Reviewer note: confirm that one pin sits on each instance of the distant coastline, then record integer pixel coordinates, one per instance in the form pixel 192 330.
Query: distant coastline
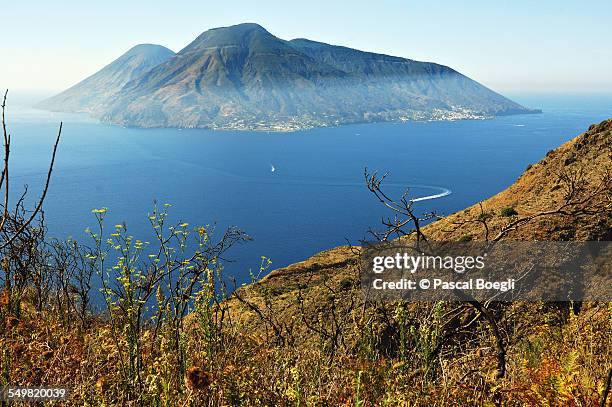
pixel 294 126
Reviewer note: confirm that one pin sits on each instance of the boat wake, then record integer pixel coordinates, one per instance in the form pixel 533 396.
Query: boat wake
pixel 440 192
pixel 443 192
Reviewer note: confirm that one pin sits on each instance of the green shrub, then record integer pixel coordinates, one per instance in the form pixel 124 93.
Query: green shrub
pixel 346 284
pixel 508 211
pixel 484 216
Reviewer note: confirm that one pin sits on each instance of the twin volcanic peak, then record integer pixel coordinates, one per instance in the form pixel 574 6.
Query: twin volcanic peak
pixel 244 78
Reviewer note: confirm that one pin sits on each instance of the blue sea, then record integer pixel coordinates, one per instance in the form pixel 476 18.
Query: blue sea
pixel 314 199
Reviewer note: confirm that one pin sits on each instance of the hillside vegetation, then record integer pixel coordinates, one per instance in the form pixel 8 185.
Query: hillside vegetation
pixel 303 334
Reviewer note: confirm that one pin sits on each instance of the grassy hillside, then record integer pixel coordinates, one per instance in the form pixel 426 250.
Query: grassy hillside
pixel 565 196
pixel 536 207
pixel 303 335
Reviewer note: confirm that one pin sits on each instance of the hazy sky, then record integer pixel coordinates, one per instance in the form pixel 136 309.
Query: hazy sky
pixel 519 45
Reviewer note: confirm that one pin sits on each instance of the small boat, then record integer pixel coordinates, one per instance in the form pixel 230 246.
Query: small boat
pixel 272 168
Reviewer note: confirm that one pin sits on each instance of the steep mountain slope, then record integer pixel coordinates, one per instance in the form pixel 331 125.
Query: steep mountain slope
pixel 541 197
pixel 565 196
pixel 385 73
pixel 242 77
pixel 92 94
pixel 319 304
pixel 522 347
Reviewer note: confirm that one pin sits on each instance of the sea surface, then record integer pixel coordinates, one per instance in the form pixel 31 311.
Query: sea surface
pixel 314 199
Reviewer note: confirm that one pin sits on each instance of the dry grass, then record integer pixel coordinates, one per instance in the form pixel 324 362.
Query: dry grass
pixel 303 335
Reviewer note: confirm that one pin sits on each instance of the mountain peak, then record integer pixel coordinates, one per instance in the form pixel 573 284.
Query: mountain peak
pixel 242 27
pixel 239 29
pixel 240 35
pixel 148 49
pixel 95 92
